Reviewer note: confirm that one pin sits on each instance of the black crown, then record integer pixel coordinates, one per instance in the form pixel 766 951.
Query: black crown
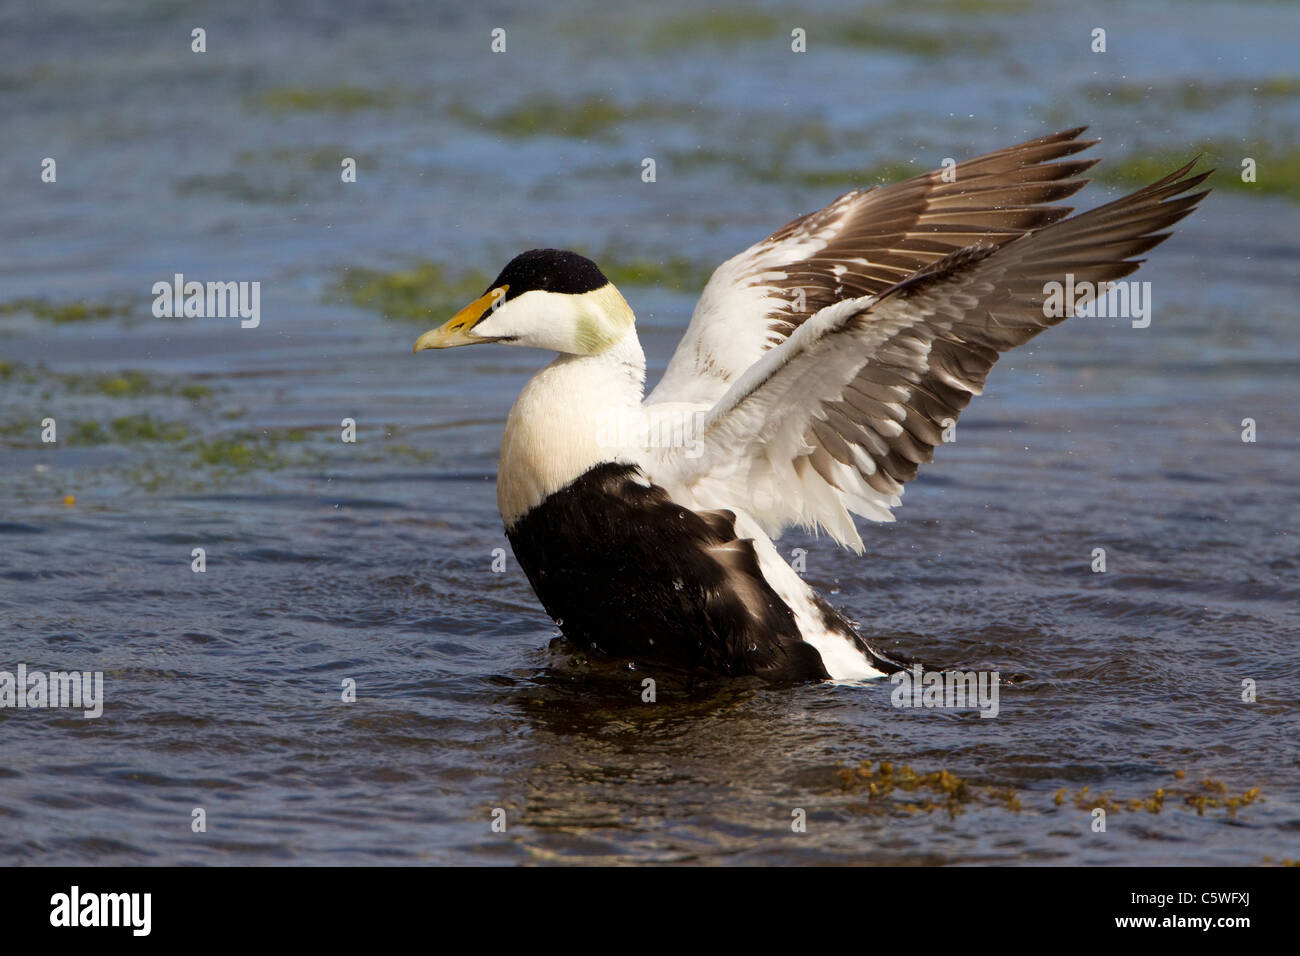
pixel 549 270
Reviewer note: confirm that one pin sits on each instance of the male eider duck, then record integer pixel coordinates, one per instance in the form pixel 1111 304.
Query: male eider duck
pixel 819 369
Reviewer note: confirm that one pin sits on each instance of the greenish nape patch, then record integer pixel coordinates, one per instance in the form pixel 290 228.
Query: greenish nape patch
pixel 425 291
pixel 66 311
pixel 338 99
pixel 590 336
pixel 1277 169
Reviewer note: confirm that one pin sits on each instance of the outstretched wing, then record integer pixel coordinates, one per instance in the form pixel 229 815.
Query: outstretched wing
pixel 837 417
pixel 861 244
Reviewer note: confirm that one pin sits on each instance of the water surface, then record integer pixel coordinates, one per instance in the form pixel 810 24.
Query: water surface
pixel 372 561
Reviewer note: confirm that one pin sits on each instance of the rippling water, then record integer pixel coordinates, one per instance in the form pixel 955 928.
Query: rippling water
pixel 371 561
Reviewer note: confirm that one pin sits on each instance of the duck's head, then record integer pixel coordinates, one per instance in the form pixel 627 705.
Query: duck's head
pixel 545 298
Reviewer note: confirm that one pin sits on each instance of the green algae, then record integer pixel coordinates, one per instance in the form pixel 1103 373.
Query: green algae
pixel 63 312
pixel 1208 794
pixel 334 99
pixel 240 455
pixel 132 383
pixel 588 118
pixel 196 393
pixel 729 27
pixel 903 788
pixel 723 27
pixel 126 430
pixel 239 185
pixel 125 384
pixel 425 291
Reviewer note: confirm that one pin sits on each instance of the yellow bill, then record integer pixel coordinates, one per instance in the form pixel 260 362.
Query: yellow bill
pixel 456 331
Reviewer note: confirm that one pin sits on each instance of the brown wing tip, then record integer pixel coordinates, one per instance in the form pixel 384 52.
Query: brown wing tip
pixel 1062 136
pixel 1074 132
pixel 1180 175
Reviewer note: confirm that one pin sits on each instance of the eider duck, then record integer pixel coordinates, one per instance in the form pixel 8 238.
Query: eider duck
pixel 819 369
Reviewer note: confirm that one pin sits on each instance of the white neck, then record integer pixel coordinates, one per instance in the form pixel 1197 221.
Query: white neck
pixel 570 417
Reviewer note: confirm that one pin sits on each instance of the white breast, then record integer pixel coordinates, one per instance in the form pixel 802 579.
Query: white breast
pixel 566 421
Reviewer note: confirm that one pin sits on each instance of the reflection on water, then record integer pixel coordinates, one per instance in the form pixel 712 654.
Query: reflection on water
pixel 330 562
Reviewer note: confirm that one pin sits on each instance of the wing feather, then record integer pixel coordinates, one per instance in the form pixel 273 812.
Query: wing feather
pixel 842 413
pixel 862 244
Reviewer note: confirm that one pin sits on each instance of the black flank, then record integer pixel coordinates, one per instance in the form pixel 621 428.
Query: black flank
pixel 627 572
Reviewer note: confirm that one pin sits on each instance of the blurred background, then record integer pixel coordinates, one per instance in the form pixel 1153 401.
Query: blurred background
pixel 372 560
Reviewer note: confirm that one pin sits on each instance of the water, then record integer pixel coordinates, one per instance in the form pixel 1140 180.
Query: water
pixel 371 562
